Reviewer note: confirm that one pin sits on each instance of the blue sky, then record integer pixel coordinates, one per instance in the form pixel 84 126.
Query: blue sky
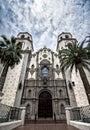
pixel 45 19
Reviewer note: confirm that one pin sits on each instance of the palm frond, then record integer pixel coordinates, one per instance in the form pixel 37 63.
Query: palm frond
pixel 10 50
pixel 13 40
pixel 6 40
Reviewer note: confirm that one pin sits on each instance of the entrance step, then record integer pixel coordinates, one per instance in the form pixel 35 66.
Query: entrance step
pixel 44 121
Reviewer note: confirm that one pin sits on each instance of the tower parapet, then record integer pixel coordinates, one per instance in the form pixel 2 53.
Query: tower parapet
pixel 63 39
pixel 26 40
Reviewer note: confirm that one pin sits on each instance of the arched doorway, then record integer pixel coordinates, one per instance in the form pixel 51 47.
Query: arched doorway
pixel 27 115
pixel 45 105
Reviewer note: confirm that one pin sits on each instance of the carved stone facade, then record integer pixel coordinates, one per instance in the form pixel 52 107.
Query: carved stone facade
pixel 38 84
pixel 41 77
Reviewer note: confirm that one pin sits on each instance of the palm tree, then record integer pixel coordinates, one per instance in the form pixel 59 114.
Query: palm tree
pixel 88 48
pixel 75 55
pixel 10 55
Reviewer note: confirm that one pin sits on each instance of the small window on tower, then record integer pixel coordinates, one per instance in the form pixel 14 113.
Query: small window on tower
pixel 28 38
pixel 61 93
pixel 61 38
pixel 57 66
pixel 73 83
pixel 70 85
pixel 66 36
pixel 62 109
pixel 22 36
pixel 29 92
pixel 27 48
pixel 45 50
pixel 32 66
pixel 19 86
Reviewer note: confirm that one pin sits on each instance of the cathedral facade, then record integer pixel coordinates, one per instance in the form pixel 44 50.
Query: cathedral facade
pixel 38 84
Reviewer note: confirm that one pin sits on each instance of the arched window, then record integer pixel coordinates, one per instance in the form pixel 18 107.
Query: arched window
pixel 22 36
pixel 32 66
pixel 28 38
pixel 29 92
pixel 27 110
pixel 66 36
pixel 45 50
pixel 61 38
pixel 27 48
pixel 62 109
pixel 57 66
pixel 45 71
pixel 73 83
pixel 61 93
pixel 19 86
pixel 70 85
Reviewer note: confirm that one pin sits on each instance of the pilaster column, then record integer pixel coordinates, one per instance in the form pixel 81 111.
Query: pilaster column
pixel 68 117
pixel 23 110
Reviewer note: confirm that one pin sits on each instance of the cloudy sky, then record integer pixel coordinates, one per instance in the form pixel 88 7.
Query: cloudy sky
pixel 45 19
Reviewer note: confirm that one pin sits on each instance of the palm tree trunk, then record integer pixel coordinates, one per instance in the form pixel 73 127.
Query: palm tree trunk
pixel 3 76
pixel 85 81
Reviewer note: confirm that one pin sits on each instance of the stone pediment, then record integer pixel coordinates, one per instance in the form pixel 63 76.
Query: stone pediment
pixel 44 49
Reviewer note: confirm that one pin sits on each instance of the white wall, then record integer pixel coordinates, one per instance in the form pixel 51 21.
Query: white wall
pixel 79 90
pixel 11 84
pixel 80 125
pixel 15 76
pixel 10 125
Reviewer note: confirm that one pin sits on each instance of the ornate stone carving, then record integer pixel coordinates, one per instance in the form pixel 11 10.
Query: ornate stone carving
pixel 32 71
pixel 45 55
pixel 58 71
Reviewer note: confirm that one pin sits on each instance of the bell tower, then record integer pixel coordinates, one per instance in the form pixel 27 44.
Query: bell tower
pixel 26 40
pixel 74 83
pixel 63 39
pixel 13 86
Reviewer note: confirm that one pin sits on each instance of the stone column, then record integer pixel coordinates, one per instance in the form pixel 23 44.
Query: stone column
pixel 68 117
pixel 23 114
pixel 34 108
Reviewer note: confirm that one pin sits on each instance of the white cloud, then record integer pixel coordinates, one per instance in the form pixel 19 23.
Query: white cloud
pixel 45 19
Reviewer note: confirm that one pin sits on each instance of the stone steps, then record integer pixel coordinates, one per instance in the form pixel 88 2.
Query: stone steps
pixel 44 121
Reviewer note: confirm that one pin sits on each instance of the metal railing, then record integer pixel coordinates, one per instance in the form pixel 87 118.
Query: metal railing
pixel 80 114
pixel 8 113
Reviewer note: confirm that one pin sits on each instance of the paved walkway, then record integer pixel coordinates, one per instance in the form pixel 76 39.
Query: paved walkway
pixel 46 127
